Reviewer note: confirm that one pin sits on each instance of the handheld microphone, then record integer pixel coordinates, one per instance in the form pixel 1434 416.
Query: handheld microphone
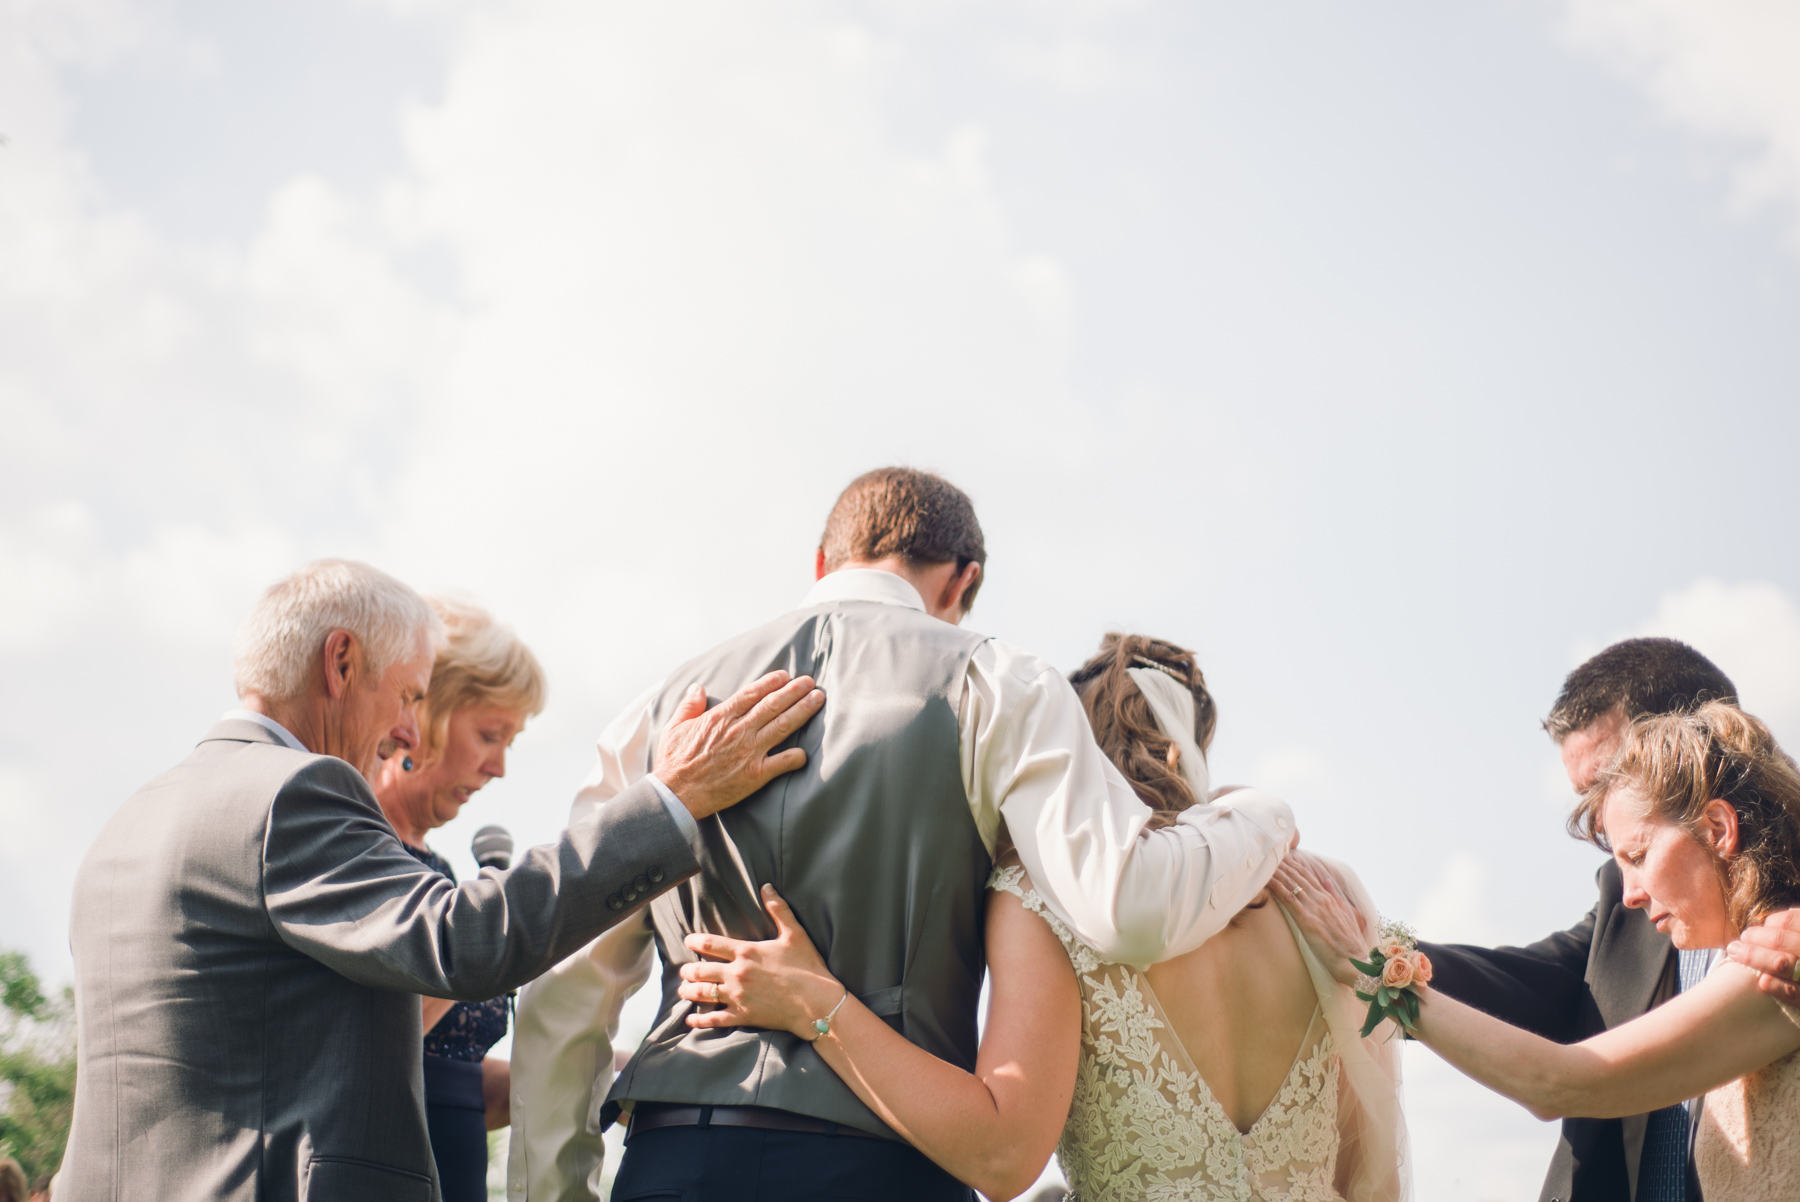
pixel 492 847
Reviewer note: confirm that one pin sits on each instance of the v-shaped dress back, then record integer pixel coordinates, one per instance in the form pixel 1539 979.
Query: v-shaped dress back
pixel 1145 1125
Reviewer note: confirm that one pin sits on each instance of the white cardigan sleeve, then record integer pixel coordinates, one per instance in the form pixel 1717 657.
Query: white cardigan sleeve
pixel 562 1065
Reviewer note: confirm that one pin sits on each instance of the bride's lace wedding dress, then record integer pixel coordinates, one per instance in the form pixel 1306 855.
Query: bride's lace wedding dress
pixel 1144 1125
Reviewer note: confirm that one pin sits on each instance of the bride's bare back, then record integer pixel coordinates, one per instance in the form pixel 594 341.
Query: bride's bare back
pixel 1241 1004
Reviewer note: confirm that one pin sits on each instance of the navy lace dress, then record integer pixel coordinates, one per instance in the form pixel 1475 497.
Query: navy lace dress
pixel 454 1109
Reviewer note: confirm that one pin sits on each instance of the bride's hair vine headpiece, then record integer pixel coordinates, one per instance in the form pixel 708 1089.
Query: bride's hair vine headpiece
pixel 1152 715
pixel 1171 701
pixel 1162 667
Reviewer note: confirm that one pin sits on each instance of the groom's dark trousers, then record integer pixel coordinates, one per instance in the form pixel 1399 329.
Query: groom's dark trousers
pixel 1607 969
pixel 747 1165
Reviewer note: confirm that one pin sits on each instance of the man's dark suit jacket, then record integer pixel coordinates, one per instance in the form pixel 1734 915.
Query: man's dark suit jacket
pixel 1605 970
pixel 250 942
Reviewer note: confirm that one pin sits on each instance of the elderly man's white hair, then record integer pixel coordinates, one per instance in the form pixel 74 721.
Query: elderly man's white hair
pixel 278 645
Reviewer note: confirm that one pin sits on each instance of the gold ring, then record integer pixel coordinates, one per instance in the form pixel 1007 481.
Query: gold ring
pixel 715 992
pixel 1298 891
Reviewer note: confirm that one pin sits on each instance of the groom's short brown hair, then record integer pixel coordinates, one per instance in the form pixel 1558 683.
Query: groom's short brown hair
pixel 919 516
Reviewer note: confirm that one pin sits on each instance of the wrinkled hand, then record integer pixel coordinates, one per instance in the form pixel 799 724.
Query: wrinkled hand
pixel 1332 927
pixel 779 984
pixel 1773 950
pixel 714 758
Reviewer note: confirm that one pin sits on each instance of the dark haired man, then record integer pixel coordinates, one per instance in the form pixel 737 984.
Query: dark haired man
pixel 933 737
pixel 1613 965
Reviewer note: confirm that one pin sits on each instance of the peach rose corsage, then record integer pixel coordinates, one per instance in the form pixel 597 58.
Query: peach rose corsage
pixel 1392 975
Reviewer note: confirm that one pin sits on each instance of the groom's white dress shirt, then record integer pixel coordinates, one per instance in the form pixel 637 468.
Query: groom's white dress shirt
pixel 1028 757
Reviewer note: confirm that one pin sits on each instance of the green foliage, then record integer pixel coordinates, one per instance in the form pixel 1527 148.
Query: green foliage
pixel 37 1068
pixel 19 988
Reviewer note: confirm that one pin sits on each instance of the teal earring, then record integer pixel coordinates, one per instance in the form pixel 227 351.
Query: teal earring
pixel 406 764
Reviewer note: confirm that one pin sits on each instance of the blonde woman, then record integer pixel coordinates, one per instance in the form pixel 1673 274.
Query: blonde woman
pixel 1233 1071
pixel 1702 813
pixel 485 684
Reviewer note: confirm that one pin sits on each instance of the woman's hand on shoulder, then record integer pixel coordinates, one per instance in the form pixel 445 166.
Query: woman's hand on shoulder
pixel 779 984
pixel 1332 927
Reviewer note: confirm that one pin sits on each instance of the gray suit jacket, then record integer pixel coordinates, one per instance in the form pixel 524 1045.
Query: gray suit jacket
pixel 250 938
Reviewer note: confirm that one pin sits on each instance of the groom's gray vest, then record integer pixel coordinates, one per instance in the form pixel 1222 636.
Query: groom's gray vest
pixel 872 844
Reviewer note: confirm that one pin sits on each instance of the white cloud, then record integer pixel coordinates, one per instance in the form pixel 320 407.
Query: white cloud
pixel 645 288
pixel 1047 290
pixel 337 312
pixel 37 856
pixel 1470 1145
pixel 175 383
pixel 89 33
pixel 23 816
pixel 47 580
pixel 1724 68
pixel 186 583
pixel 1292 772
pixel 1556 787
pixel 689 249
pixel 640 296
pixel 1069 63
pixel 1455 908
pixel 192 583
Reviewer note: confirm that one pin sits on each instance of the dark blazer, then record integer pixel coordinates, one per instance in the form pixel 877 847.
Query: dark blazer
pixel 1605 970
pixel 250 941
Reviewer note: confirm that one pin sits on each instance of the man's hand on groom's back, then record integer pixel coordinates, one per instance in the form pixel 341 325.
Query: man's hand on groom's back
pixel 714 758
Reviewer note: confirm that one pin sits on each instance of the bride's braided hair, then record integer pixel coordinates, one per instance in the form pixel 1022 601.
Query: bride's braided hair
pixel 1124 725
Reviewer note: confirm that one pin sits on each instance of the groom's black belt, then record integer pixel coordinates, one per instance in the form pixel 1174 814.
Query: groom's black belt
pixel 648 1116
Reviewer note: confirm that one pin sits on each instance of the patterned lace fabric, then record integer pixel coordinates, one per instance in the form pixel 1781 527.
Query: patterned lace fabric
pixel 470 1028
pixel 1748 1146
pixel 1144 1125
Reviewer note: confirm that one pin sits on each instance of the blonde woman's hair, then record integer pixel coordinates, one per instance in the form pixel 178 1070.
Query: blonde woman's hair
pixel 1680 762
pixel 482 662
pixel 278 645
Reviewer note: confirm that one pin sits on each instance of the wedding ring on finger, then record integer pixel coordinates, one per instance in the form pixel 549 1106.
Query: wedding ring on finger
pixel 1795 972
pixel 715 991
pixel 1298 891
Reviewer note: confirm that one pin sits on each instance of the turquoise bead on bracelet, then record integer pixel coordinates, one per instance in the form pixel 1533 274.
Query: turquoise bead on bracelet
pixel 823 1025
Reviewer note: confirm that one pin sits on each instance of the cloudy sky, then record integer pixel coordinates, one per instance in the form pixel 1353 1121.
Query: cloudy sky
pixel 1394 356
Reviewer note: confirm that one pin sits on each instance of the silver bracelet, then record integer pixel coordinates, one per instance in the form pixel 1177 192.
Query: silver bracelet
pixel 823 1025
